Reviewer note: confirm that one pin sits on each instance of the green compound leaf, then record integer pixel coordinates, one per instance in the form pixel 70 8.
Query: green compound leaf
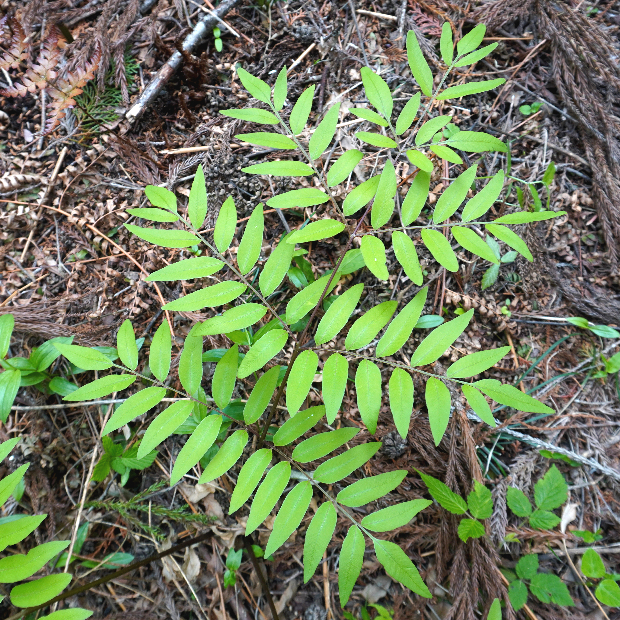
pixel 360 196
pixel 446 498
pixel 376 139
pixel 511 239
pixel 527 566
pixel 369 115
pixel 268 494
pixel 301 110
pixel 364 330
pixel 262 351
pixel 548 588
pixel 484 199
pixel 394 516
pixel 608 593
pixel 343 167
pixel 517 593
pixel 401 327
pixel 249 477
pixel 418 65
pixel 454 195
pixel 470 528
pixel 197 203
pixel 471 40
pixel 208 297
pixel 335 374
pixel 525 217
pixel 318 536
pixel 190 364
pixel 161 197
pixel 370 489
pixel 18 567
pixel 126 345
pixel 446 44
pixel 430 128
pixel 83 357
pixel 368 388
pixel 406 255
pixel 187 269
pixel 154 215
pixel 551 491
pixel 280 169
pixel 377 92
pixel 475 363
pixel 306 197
pixel 316 231
pixel 270 140
pixel 239 317
pixel 350 563
pixel 440 248
pixel 295 427
pixel 440 339
pixel 592 565
pixel 323 134
pixel 338 314
pixel 15 531
pixel 164 238
pixel 399 567
pixel 408 114
pixel 252 241
pixel 228 455
pixel 322 444
pixel 225 225
pixel 300 380
pixel 373 252
pixel 420 160
pixel 135 405
pixel 40 590
pixel 97 388
pixel 479 404
pixel 255 86
pixel 473 243
pixel 225 376
pixel 164 425
pixel 261 395
pixel 471 88
pixel 401 400
pixel 480 501
pixel 383 206
pixel 252 115
pixel 276 267
pixel 511 396
pixel 416 198
pixel 518 502
pixel 289 516
pixel 476 142
pixel 280 89
pixel 339 467
pixel 437 397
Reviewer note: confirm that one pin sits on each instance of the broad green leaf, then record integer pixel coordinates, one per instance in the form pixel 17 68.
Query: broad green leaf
pixel 446 498
pixel 322 444
pixel 440 339
pixel 377 92
pixel 164 425
pixel 267 139
pixel 261 395
pixel 470 528
pixel 480 501
pixel 83 357
pixel 306 299
pixel 18 567
pixel 471 40
pixel 7 446
pixel 293 509
pixel 190 364
pixel 430 128
pixel 394 516
pixel 154 215
pixel 135 405
pixel 376 139
pixel 406 255
pixel 370 489
pixel 323 134
pixel 471 88
pixel 476 142
pixel 318 536
pixel 252 241
pixel 239 317
pixel 164 238
pixel 15 531
pixel 549 588
pixel 262 351
pixel 407 114
pixel 360 196
pixel 280 169
pixel 161 197
pixel 249 477
pixel 276 267
pixel 126 345
pixel 338 314
pixel 295 427
pixel 440 248
pixel 306 197
pixel 301 110
pixel 517 593
pixel 335 374
pixel 416 198
pixel 225 376
pixel 454 195
pixel 383 206
pixel 420 160
pixel 197 203
pixel 418 65
pixel 475 363
pixel 551 491
pixel 592 565
pixel 511 396
pixel 7 322
pixel 339 467
pixel 398 565
pixel 73 613
pixel 316 231
pixel 300 380
pixel 8 483
pixel 208 297
pixel 255 86
pixel 279 93
pixel 268 494
pixel 187 269
pixel 39 591
pixel 402 325
pixel 478 205
pixel 446 45
pixel 225 225
pixel 608 593
pixel 368 388
pixel 373 252
pixel 343 167
pixel 524 217
pixel 369 325
pixel 518 502
pixel 473 243
pixel 350 563
pixel 437 397
pixel 401 400
pixel 228 455
pixel 99 387
pixel 369 115
pixel 445 152
pixel 527 566
pixel 252 115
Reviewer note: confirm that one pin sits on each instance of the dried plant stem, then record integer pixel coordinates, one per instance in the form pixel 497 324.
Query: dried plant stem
pixel 247 542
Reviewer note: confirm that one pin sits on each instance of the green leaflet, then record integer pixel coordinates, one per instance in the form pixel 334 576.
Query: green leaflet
pixel 15 531
pixel 394 516
pixel 228 455
pixel 440 339
pixel 418 65
pixel 252 241
pixel 18 567
pixel 543 520
pixel 518 594
pixel 399 567
pixel 551 491
pixel 416 198
pixel 472 242
pixel 322 444
pixel 525 217
pixel 471 88
pixel 318 536
pixel 225 225
pixel 495 611
pixel 484 199
pixel 446 44
pixel 225 376
pixel 437 397
pixel 475 363
pixel 300 380
pixel 335 374
pixel 479 404
pixel 339 467
pixel 239 317
pixel 376 139
pixel 261 395
pixel 446 153
pixel 7 446
pixel 420 160
pixel 323 134
pixel 197 203
pixel 549 588
pixel 369 325
pixel 267 495
pixel 280 169
pixel 40 590
pixel 301 110
pixel 126 345
pixel 401 399
pixel 592 565
pixel 295 427
pixel 383 206
pixel 7 322
pixel 430 128
pixel 99 387
pixel 316 231
pixel 306 197
pixel 280 89
pixel 402 325
pixel 511 396
pixel 164 425
pixel 377 92
pixel 370 489
pixel 161 197
pixel 518 502
pixel 471 40
pixel 350 563
pixel 8 483
pixel 261 352
pixel 343 167
pixel 360 196
pixel 368 388
pixel 338 314
pixel 249 477
pixel 74 613
pixel 352 261
pixel 270 140
pixel 187 269
pixel 276 266
pixel 446 498
pixel 253 115
pixel 306 299
pixel 164 238
pixel 480 501
pixel 476 142
pixel 208 297
pixel 440 248
pixel 373 252
pixel 406 255
pixel 510 238
pixel 255 86
pixel 470 528
pixel 369 115
pixel 454 195
pixel 154 215
pixel 83 357
pixel 190 364
pixel 135 405
pixel 289 516
pixel 608 593
pixel 408 114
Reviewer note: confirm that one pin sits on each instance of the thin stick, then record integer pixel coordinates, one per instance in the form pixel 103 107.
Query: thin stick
pixel 359 34
pixel 300 58
pixel 389 18
pixel 247 543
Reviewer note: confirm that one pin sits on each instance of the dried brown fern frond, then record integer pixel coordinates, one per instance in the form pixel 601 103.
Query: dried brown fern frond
pixel 12 32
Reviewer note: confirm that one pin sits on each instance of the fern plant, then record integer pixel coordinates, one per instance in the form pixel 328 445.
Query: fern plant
pixel 244 297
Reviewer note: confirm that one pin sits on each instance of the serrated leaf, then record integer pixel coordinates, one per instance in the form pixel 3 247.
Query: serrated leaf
pixel 15 531
pixel 7 323
pixel 518 502
pixel 376 139
pixel 383 206
pixel 473 243
pixel 437 397
pixel 592 565
pixel 187 269
pixel 480 501
pixel 339 467
pixel 153 215
pixel 335 374
pixel 549 588
pixel 370 489
pixel 471 88
pixel 343 167
pixel 373 252
pixel 318 536
pixel 401 400
pixel 527 566
pixel 407 114
pixel 402 325
pixel 420 160
pixel 305 300
pixel 454 195
pixel 406 255
pixel 418 65
pixel 440 248
pixel 350 563
pixel 301 110
pixel 338 314
pixel 525 217
pixel 18 567
pixel 239 317
pixel 255 86
pixel 377 92
pixel 399 567
pixel 208 297
pixel 470 528
pixel 262 351
pixel 252 241
pixel 517 593
pixel 368 388
pixel 268 494
pixel 164 238
pixel 225 376
pixel 369 325
pixel 394 516
pixel 261 395
pixel 280 169
pixel 608 593
pixel 252 115
pixel 440 339
pixel 161 197
pixel 306 197
pixel 324 132
pixel 228 455
pixel 479 404
pixel 416 198
pixel 446 45
pixel 164 425
pixel 83 357
pixel 484 199
pixel 511 396
pixel 39 591
pixel 471 40
pixel 316 231
pixel 322 444
pixel 551 491
pixel 280 89
pixel 267 139
pixel 430 128
pixel 476 142
pixel 445 152
pixel 99 387
pixel 293 510
pixel 475 363
pixel 190 364
pixel 446 498
pixel 135 405
pixel 126 345
pixel 369 115
pixel 295 427
pixel 489 278
pixel 249 477
pixel 225 225
pixel 360 196
pixel 300 380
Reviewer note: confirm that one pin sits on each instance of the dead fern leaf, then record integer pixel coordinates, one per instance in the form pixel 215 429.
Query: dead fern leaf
pixel 11 30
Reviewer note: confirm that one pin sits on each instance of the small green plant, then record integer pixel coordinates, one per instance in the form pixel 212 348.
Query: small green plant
pixel 122 459
pixel 382 613
pixel 492 273
pixel 603 331
pixel 233 562
pixel 592 566
pixel 526 109
pixel 217 35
